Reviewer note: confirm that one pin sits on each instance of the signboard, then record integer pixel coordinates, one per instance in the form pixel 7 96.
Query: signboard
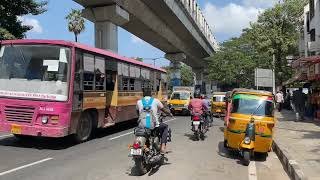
pixel 183 88
pixel 263 77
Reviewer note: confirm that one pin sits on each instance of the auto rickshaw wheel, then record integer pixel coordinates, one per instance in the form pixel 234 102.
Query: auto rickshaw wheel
pixel 225 144
pixel 246 157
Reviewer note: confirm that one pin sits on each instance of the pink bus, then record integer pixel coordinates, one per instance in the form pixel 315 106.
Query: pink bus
pixel 54 88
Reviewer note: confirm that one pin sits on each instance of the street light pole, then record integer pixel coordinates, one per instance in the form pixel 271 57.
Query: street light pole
pixel 273 74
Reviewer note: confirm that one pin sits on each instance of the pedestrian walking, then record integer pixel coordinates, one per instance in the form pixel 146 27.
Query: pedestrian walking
pixel 279 100
pixel 287 100
pixel 299 100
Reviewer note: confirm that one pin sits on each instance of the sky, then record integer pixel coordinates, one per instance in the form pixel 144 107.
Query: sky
pixel 226 18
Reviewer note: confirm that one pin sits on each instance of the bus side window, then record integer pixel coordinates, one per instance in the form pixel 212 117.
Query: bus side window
pixel 125 84
pixel 99 73
pixel 88 75
pixel 131 84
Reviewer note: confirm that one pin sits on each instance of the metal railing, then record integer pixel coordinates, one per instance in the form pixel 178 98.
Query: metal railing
pixel 195 12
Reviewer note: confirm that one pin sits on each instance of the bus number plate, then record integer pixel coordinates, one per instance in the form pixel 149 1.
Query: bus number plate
pixel 15 129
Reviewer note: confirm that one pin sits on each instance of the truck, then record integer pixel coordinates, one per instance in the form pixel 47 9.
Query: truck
pixel 179 99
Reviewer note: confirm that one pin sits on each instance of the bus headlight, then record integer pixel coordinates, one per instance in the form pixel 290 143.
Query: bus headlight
pixel 44 119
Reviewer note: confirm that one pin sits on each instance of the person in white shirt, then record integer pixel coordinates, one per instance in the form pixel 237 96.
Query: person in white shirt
pixel 156 105
pixel 279 100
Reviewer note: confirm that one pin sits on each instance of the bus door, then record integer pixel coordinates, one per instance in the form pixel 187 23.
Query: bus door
pixel 111 108
pixel 77 85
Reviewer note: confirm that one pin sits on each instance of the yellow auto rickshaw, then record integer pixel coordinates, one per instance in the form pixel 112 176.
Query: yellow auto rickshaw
pixel 218 104
pixel 249 122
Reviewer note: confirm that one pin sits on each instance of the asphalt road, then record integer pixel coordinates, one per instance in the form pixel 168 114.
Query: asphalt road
pixel 106 157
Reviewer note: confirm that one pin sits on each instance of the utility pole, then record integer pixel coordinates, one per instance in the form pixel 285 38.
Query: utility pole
pixel 274 74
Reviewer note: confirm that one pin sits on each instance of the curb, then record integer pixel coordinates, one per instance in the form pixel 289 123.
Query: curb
pixel 290 165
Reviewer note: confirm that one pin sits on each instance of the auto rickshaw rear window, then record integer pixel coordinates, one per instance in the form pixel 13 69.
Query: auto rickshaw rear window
pixel 248 104
pixel 218 99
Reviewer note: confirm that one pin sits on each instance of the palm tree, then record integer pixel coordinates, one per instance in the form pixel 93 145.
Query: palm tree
pixel 75 23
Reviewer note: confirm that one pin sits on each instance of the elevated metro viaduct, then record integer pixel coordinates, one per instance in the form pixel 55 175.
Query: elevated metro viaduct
pixel 176 27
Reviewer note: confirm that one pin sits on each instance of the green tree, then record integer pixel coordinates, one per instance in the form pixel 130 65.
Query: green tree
pixel 139 59
pixel 186 75
pixel 276 33
pixel 235 63
pixel 10 26
pixel 75 23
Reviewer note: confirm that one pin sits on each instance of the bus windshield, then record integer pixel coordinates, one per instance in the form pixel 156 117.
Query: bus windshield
pixel 180 96
pixel 35 71
pixel 248 104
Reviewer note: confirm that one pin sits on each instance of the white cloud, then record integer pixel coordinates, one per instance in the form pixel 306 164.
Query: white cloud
pixel 37 28
pixel 135 39
pixel 259 3
pixel 230 19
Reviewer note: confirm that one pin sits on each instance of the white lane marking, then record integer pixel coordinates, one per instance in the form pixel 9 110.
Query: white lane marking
pixel 25 166
pixel 128 133
pixel 5 136
pixel 110 139
pixel 252 171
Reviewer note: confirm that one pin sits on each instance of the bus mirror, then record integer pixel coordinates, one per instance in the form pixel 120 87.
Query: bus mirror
pixel 77 77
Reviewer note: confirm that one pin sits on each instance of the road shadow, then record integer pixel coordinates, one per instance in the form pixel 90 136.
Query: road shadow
pixel 123 126
pixel 193 138
pixel 150 172
pixel 44 143
pixel 227 153
pixel 260 157
pixel 39 143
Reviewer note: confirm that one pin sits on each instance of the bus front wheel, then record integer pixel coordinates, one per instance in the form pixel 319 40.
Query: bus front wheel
pixel 84 128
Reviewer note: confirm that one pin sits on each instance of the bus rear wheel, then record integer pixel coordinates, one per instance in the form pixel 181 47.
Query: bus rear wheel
pixel 84 128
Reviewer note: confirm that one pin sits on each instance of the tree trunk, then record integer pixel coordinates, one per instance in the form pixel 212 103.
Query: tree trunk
pixel 76 37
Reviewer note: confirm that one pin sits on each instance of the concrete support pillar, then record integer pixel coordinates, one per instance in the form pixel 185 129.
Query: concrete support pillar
pixel 106 20
pixel 200 80
pixel 176 60
pixel 106 36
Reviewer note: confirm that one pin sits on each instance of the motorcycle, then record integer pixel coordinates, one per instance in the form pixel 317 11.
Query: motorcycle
pixel 199 126
pixel 145 150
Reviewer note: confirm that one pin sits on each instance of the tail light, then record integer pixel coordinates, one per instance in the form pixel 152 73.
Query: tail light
pixel 136 145
pixel 196 118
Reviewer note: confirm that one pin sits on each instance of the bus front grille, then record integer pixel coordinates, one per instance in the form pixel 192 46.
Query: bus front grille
pixel 21 114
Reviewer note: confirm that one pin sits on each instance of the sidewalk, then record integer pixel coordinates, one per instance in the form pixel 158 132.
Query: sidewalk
pixel 300 142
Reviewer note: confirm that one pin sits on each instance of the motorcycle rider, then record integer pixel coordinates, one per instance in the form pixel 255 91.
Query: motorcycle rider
pixel 197 105
pixel 155 106
pixel 207 113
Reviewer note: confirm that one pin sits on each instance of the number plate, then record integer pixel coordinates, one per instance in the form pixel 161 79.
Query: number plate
pixel 178 109
pixel 15 129
pixel 196 122
pixel 136 152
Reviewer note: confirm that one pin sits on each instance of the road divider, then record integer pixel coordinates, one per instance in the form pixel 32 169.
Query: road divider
pixel 131 132
pixel 24 166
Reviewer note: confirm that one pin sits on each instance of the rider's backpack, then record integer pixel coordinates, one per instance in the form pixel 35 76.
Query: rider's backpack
pixel 147 118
